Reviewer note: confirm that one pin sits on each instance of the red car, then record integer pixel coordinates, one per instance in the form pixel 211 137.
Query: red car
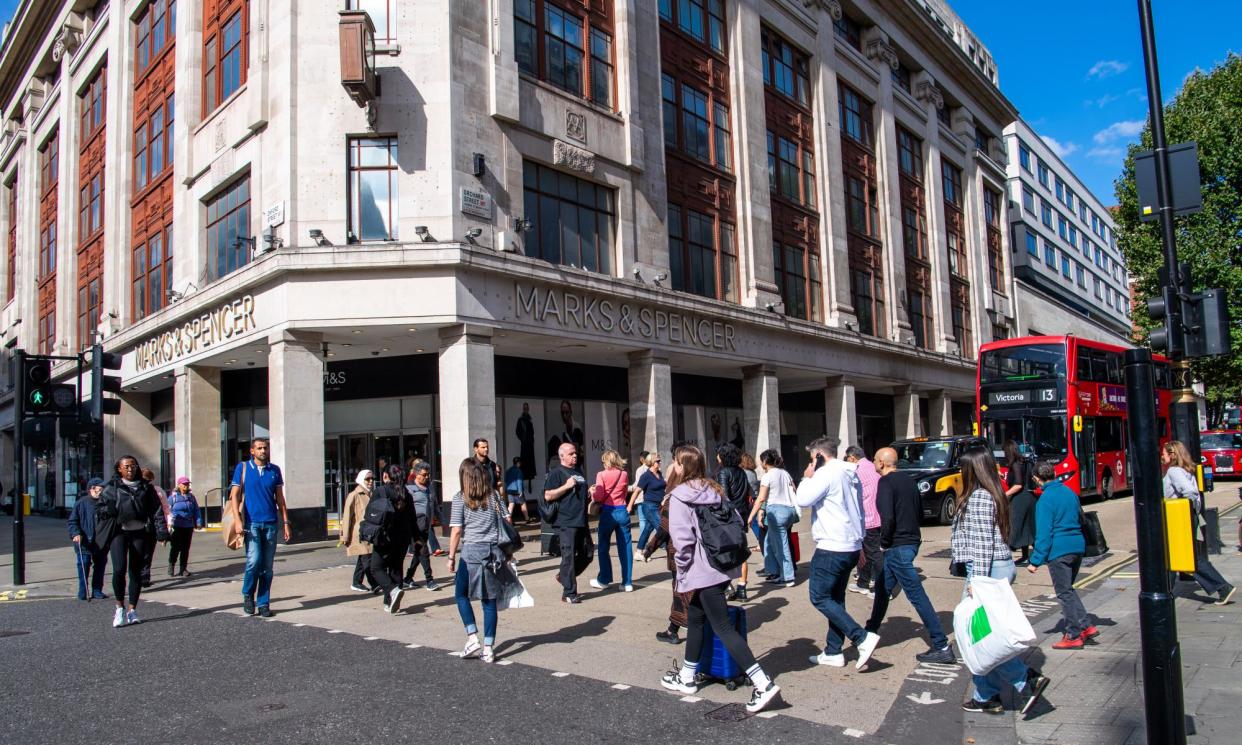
pixel 1222 451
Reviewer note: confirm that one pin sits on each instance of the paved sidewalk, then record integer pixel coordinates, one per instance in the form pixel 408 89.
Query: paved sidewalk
pixel 1096 695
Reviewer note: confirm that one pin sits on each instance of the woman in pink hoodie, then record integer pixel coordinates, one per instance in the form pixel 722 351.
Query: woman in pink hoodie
pixel 689 488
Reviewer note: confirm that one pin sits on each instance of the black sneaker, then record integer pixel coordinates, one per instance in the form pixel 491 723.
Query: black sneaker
pixel 432 585
pixel 248 606
pixel 668 637
pixel 265 612
pixel 737 593
pixel 1036 682
pixel 943 656
pixel 991 706
pixel 572 599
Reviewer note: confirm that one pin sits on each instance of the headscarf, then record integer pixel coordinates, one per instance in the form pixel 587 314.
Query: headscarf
pixel 363 475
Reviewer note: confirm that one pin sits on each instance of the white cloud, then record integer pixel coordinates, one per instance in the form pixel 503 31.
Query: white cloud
pixel 1100 102
pixel 1119 130
pixel 1105 153
pixel 1106 68
pixel 1063 150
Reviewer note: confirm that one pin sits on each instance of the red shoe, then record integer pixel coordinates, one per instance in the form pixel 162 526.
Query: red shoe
pixel 1090 632
pixel 1068 642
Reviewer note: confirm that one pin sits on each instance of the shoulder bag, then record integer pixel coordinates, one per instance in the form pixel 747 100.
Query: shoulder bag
pixel 509 541
pixel 232 518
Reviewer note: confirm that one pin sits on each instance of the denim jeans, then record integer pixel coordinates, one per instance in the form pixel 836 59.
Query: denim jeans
pixel 615 521
pixel 1011 672
pixel 1064 570
pixel 830 573
pixel 260 538
pixel 898 571
pixel 648 521
pixel 778 559
pixel 461 591
pixel 87 555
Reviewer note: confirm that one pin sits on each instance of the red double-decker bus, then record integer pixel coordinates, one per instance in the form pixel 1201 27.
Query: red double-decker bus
pixel 1063 399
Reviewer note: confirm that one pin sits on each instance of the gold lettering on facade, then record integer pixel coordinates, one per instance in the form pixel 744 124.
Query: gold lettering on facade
pixel 209 329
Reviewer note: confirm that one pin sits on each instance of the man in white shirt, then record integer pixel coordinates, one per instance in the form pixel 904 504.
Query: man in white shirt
pixel 831 488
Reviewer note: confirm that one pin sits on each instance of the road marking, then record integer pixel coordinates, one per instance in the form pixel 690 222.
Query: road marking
pixel 621 687
pixel 369 638
pixel 1105 573
pixel 1126 575
pixel 854 733
pixel 925 698
pixel 691 699
pixel 504 662
pixel 767 714
pixel 298 625
pixel 336 631
pixel 934 672
pixel 560 675
pixel 413 646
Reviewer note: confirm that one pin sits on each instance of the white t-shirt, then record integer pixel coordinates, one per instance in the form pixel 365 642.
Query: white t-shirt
pixel 780 487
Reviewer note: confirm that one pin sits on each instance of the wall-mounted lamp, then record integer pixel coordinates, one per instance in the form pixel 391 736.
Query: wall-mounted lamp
pixel 523 224
pixel 849 325
pixel 661 277
pixel 472 234
pixel 638 274
pixel 423 234
pixel 318 237
pixel 773 307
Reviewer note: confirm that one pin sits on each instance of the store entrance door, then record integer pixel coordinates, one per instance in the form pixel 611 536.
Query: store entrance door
pixel 346 455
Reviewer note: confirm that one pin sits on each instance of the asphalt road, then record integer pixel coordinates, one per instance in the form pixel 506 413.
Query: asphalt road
pixel 200 676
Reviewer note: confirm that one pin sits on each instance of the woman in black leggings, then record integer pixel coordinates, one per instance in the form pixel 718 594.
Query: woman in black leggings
pixel 127 509
pixel 690 488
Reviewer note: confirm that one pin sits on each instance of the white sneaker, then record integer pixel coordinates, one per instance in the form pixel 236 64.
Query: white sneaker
pixel 132 617
pixel 672 681
pixel 118 618
pixel 760 699
pixel 488 655
pixel 600 585
pixel 855 587
pixel 394 604
pixel 471 647
pixel 628 588
pixel 865 648
pixel 831 660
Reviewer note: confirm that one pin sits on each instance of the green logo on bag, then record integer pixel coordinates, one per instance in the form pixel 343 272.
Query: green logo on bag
pixel 980 627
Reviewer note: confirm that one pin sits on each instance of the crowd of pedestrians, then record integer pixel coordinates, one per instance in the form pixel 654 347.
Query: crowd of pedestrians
pixel 865 524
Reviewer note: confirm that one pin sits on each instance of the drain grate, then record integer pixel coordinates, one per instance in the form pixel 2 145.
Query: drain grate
pixel 5 633
pixel 729 713
pixel 271 707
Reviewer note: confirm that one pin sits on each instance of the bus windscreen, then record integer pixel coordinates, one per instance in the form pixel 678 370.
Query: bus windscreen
pixel 1030 362
pixel 1043 436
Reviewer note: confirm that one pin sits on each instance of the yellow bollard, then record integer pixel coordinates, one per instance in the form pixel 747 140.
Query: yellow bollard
pixel 1181 536
pixel 26 505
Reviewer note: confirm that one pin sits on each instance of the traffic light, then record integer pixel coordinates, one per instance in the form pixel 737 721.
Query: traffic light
pixel 42 396
pixel 102 383
pixel 1206 317
pixel 1168 338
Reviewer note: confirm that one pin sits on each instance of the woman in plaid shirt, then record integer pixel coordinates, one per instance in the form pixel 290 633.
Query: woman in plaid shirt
pixel 980 527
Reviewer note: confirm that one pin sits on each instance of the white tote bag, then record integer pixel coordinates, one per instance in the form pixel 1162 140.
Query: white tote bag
pixel 515 594
pixel 990 626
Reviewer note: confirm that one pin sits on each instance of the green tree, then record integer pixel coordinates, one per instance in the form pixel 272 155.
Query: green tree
pixel 1207 110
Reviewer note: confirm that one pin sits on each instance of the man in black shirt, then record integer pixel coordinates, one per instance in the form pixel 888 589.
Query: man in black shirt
pixel 901 510
pixel 481 454
pixel 565 490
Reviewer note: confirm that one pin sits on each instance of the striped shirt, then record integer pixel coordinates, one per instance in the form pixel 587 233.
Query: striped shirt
pixel 977 539
pixel 477 526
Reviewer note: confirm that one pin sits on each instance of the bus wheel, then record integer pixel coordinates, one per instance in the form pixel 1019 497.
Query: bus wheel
pixel 948 506
pixel 1106 486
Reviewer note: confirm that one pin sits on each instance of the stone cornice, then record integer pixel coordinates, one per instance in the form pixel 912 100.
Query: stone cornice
pixel 879 50
pixel 831 7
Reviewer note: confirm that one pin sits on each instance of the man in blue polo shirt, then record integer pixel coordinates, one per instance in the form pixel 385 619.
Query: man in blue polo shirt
pixel 263 488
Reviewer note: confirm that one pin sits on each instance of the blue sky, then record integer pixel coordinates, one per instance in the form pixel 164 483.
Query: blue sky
pixel 1075 69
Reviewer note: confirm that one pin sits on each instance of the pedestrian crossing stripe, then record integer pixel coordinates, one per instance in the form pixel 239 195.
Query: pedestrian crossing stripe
pixel 691 699
pixel 505 662
pixel 621 687
pixel 413 646
pixel 335 631
pixel 560 675
pixel 369 638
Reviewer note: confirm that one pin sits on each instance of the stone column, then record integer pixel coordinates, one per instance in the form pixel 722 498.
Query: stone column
pixel 840 414
pixel 129 433
pixel 196 432
pixel 940 415
pixel 651 404
pixel 467 394
pixel 761 410
pixel 906 419
pixel 295 417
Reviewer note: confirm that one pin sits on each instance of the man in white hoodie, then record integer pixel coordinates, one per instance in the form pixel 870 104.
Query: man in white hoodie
pixel 831 488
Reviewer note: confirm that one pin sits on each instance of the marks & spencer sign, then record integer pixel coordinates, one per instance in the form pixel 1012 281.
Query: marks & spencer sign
pixel 201 332
pixel 580 311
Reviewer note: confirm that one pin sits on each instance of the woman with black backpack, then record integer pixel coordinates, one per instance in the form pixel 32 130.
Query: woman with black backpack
pixel 691 490
pixel 126 508
pixel 389 526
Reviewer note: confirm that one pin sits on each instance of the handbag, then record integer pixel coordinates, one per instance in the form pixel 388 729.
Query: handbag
pixel 510 542
pixel 232 531
pixel 597 505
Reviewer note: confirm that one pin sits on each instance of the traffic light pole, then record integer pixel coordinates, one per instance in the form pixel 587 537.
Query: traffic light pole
pixel 19 468
pixel 1163 705
pixel 1184 411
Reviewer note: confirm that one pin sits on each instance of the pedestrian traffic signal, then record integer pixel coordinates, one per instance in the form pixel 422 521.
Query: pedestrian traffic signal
pixel 1166 309
pixel 102 383
pixel 42 396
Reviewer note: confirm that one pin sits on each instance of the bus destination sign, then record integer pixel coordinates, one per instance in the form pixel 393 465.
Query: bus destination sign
pixel 1026 397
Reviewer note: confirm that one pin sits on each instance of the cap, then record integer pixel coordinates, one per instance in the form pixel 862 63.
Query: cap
pixel 183 480
pixel 94 482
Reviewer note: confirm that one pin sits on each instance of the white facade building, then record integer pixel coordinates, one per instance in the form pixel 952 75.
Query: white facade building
pixel 1069 275
pixel 624 223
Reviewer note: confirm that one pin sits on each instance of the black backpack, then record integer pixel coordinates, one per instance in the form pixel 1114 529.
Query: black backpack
pixel 722 534
pixel 374 523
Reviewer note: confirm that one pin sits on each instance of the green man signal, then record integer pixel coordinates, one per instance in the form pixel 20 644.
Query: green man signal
pixel 38 398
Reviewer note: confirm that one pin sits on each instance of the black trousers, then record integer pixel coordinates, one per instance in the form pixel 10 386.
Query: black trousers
pixel 573 546
pixel 148 555
pixel 873 558
pixel 129 553
pixel 386 569
pixel 708 606
pixel 180 551
pixel 421 557
pixel 362 571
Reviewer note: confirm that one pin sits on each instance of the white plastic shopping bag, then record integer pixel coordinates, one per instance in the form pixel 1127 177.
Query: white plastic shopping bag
pixel 515 594
pixel 990 626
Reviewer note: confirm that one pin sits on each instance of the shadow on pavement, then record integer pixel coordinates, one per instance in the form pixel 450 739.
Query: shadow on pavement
pixel 591 627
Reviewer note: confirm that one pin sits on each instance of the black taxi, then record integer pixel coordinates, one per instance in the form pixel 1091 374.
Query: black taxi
pixel 933 462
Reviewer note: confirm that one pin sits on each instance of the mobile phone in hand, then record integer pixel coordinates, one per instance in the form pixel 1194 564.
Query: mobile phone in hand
pixel 819 461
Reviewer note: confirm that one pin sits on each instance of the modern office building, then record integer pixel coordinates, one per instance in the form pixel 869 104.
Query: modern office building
pixel 381 229
pixel 1069 275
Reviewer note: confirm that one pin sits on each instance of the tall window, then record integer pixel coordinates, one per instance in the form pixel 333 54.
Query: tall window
pixel 856 119
pixel 868 296
pixel 573 219
pixel 996 256
pixel 791 170
pixel 49 179
pixel 47 332
pixel 849 31
pixel 228 223
pixel 154 32
pixel 93 105
pixel 914 232
pixel 702 20
pixel 951 178
pixel 798 280
pixel 1041 171
pixel 909 155
pixel 901 77
pixel 90 298
pixel 785 69
pixel 567 45
pixel 151 204
pixel 153 142
pixel 862 211
pixel 382 14
pixel 960 317
pixel 92 146
pixel 152 272
pixel 702 254
pixel 919 313
pixel 373 189
pixel 695 124
pixel 1024 156
pixel 1028 200
pixel 10 282
pixel 226 58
